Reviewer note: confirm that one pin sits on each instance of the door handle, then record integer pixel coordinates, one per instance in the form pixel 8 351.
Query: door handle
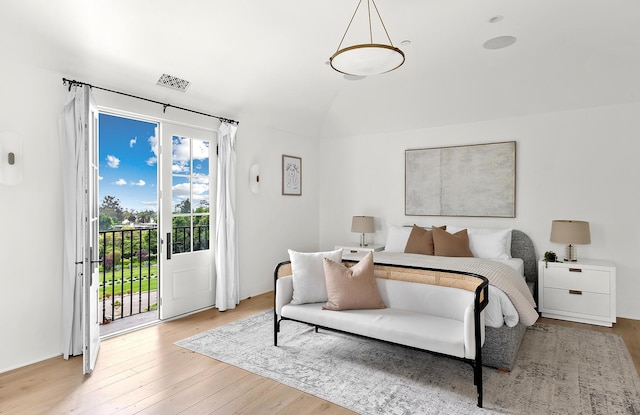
pixel 576 292
pixel 575 269
pixel 168 245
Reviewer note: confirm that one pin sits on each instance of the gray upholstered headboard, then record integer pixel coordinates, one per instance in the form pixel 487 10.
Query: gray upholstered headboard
pixel 522 247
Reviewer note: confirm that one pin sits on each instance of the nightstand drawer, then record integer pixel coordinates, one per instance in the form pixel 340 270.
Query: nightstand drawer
pixel 577 278
pixel 579 302
pixel 351 251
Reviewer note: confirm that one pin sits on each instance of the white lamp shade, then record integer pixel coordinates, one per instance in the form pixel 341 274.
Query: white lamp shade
pixel 367 59
pixel 362 224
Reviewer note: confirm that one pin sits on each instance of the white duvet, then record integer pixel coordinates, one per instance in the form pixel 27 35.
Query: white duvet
pixel 499 311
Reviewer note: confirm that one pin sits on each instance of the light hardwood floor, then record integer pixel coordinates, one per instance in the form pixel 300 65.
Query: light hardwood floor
pixel 143 372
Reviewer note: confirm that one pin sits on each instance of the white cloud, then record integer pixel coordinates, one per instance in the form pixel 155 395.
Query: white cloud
pixel 140 183
pixel 181 191
pixel 153 143
pixel 150 203
pixel 133 142
pixel 113 161
pixel 200 150
pixel 120 182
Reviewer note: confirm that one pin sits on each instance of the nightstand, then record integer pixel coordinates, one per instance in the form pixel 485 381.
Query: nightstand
pixel 583 291
pixel 355 248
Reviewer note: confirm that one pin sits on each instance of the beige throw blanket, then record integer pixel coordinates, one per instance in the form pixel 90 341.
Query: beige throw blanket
pixel 499 275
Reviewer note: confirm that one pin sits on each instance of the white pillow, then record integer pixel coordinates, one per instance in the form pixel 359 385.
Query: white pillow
pixel 486 242
pixel 308 275
pixel 397 237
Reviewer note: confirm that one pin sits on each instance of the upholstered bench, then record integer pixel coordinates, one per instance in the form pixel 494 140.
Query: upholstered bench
pixel 428 309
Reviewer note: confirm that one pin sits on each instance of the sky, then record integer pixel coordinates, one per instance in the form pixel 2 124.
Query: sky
pixel 128 152
pixel 128 162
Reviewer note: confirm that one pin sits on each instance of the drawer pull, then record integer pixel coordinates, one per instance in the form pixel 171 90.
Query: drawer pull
pixel 353 251
pixel 576 292
pixel 575 269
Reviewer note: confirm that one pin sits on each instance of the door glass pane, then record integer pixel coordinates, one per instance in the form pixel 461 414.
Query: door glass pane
pixel 181 194
pixel 181 155
pixel 181 240
pixel 190 194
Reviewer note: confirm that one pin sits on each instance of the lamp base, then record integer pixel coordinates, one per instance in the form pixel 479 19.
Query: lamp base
pixel 362 242
pixel 570 253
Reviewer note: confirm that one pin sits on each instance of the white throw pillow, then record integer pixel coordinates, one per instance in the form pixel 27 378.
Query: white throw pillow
pixel 309 285
pixel 397 237
pixel 487 242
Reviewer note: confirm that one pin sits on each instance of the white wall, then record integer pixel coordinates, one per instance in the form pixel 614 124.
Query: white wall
pixel 31 219
pixel 270 223
pixel 570 165
pixel 31 213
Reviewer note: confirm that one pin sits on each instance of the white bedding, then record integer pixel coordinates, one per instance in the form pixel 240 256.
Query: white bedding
pixel 499 311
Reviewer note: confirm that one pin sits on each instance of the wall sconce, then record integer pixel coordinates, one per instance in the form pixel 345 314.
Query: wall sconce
pixel 254 178
pixel 570 232
pixel 11 158
pixel 362 224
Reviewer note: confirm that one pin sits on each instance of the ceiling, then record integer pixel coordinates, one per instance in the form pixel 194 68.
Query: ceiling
pixel 266 60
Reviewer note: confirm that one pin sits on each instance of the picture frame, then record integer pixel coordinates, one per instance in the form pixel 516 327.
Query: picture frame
pixel 470 180
pixel 291 175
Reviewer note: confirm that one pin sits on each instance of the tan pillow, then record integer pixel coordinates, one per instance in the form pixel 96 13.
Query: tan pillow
pixel 446 244
pixel 420 241
pixel 351 288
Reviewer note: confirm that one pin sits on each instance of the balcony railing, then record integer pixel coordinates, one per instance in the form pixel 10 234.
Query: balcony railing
pixel 128 272
pixel 129 267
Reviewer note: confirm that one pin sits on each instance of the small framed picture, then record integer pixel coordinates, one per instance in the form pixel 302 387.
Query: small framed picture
pixel 291 175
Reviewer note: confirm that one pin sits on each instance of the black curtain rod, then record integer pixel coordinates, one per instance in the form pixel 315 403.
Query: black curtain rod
pixel 71 82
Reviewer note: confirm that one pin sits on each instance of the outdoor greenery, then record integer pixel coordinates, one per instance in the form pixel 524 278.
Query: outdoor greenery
pixel 128 244
pixel 112 213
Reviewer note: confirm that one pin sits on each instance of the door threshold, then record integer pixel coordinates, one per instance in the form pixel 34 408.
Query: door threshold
pixel 128 324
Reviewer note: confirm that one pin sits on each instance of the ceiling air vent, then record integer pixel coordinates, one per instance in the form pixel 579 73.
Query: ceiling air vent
pixel 173 82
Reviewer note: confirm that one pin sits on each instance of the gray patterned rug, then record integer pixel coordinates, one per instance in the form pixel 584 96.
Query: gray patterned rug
pixel 559 370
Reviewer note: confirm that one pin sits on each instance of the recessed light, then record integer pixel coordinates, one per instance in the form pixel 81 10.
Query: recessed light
pixel 499 42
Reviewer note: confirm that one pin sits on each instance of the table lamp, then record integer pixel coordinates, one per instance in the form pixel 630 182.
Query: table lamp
pixel 362 225
pixel 571 232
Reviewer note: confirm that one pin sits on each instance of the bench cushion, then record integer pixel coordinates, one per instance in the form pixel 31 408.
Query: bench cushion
pixel 423 331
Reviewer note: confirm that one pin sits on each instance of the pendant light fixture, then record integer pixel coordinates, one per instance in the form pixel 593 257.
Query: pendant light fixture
pixel 367 58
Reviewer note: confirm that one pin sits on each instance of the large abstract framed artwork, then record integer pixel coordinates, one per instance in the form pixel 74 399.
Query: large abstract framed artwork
pixel 474 180
pixel 291 175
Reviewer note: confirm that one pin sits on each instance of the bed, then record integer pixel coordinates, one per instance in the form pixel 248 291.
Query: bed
pixel 505 324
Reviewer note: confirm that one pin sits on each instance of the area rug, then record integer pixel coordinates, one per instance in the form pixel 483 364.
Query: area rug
pixel 558 370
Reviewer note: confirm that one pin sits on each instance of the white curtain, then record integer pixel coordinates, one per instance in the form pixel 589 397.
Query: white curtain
pixel 72 125
pixel 226 243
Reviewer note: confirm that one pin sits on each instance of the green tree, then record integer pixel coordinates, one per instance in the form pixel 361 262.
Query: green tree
pixel 106 222
pixel 183 207
pixel 111 207
pixel 147 216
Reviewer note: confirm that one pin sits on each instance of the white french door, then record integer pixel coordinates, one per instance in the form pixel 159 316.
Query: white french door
pixel 187 170
pixel 90 225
